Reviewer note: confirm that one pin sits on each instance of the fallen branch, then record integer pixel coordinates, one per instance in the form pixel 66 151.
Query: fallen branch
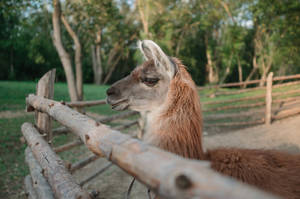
pixel 86 103
pixel 127 125
pixel 219 116
pixel 289 99
pixel 235 100
pixel 82 163
pixel 248 82
pixel 234 107
pixel 286 77
pixel 230 84
pixel 68 146
pixel 159 170
pixel 286 84
pixel 235 92
pixel 286 113
pixel 251 97
pixel 61 182
pixel 60 130
pixel 41 185
pixel 95 174
pixel 118 116
pixel 261 121
pixel 275 94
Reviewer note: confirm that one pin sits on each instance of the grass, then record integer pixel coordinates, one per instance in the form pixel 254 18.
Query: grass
pixel 12 98
pixel 12 164
pixel 13 94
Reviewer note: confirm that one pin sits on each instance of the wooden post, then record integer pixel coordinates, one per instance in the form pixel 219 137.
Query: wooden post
pixel 268 116
pixel 45 88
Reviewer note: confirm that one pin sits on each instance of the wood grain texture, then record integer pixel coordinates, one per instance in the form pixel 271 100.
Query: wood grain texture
pixel 268 114
pixel 45 88
pixel 40 184
pixel 29 190
pixel 61 182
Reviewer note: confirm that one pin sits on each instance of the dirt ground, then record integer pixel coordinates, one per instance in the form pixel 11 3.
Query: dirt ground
pixel 282 135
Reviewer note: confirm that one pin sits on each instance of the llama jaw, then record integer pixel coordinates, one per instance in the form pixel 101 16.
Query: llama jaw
pixel 120 105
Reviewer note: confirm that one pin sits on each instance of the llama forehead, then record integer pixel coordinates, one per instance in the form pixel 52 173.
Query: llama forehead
pixel 147 69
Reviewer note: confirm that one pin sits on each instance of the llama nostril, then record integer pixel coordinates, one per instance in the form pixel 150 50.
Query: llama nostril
pixel 111 91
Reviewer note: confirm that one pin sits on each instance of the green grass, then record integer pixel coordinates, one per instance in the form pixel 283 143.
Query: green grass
pixel 12 165
pixel 12 98
pixel 13 94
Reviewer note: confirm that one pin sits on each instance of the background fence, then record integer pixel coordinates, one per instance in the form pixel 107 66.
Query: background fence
pixel 225 106
pixel 166 174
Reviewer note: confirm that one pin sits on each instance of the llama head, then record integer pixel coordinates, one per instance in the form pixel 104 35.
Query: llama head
pixel 146 88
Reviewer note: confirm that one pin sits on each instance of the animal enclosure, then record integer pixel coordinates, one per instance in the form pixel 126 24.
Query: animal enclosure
pixel 169 176
pixel 240 107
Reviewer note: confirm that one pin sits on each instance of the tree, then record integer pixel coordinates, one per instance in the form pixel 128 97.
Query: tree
pixel 63 54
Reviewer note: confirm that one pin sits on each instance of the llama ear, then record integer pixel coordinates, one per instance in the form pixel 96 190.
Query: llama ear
pixel 151 50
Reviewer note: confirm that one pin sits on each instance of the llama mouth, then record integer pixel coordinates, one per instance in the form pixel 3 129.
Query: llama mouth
pixel 120 105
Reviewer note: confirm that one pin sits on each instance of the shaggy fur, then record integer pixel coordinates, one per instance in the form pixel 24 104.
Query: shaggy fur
pixel 180 132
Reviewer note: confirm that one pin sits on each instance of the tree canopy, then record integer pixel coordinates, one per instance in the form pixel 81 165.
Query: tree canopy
pixel 219 40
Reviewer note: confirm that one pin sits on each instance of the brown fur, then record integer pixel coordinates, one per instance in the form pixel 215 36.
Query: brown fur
pixel 181 133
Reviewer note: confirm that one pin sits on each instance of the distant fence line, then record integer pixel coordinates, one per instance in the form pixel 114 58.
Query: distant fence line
pixel 168 175
pixel 280 78
pixel 268 99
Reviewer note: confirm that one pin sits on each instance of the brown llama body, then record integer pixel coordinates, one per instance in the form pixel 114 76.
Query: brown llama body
pixel 270 170
pixel 176 126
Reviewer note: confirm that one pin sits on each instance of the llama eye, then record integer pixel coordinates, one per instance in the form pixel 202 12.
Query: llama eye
pixel 150 81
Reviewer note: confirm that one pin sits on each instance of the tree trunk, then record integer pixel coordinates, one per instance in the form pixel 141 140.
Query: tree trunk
pixel 211 76
pixel 255 67
pixel 267 60
pixel 78 64
pixel 227 71
pixel 111 69
pixel 94 61
pixel 240 69
pixel 144 17
pixel 179 42
pixel 96 57
pixel 63 55
pixel 11 64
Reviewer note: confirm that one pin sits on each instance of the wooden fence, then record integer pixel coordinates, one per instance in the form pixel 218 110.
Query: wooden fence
pixel 168 175
pixel 262 105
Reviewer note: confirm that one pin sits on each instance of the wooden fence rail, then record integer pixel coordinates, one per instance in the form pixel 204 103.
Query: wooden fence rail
pixel 166 174
pixel 280 78
pixel 240 91
pixel 268 99
pixel 168 177
pixel 61 182
pixel 40 184
pixel 86 103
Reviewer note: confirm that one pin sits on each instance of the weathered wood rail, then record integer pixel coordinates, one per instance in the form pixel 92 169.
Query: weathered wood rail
pixel 249 110
pixel 170 176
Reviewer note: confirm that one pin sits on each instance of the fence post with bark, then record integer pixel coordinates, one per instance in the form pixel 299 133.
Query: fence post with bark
pixel 268 116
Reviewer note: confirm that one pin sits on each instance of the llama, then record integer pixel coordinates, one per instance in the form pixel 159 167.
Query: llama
pixel 162 88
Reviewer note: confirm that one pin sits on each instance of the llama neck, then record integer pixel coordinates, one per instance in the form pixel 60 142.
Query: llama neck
pixel 177 125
